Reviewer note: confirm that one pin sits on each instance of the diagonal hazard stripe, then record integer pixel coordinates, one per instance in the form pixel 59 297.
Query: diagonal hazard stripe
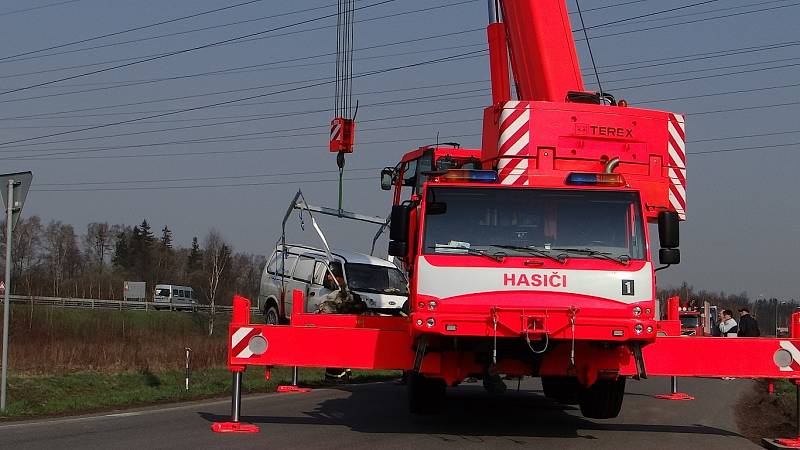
pixel 237 348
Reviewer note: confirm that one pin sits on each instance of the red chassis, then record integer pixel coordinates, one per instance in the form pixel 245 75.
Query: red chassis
pixel 367 342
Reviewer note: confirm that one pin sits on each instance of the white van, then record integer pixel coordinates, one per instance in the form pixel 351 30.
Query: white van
pixel 174 296
pixel 378 282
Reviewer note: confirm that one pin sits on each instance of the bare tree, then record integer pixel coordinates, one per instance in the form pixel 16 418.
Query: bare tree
pixel 99 241
pixel 216 261
pixel 63 257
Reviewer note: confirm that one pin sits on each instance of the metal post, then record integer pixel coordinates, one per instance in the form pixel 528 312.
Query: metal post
pixel 7 299
pixel 236 403
pixel 188 358
pixel 674 385
pixel 295 376
pixel 797 405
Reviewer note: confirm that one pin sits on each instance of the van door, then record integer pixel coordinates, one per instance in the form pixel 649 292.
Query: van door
pixel 283 279
pixel 314 292
pixel 301 279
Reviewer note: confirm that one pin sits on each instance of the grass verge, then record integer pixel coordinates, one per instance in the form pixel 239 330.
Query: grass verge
pixel 78 393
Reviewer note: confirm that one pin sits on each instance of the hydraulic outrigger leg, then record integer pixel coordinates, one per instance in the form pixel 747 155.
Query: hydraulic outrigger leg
pixel 235 425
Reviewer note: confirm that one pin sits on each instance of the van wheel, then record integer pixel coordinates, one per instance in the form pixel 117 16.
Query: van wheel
pixel 425 395
pixel 271 316
pixel 602 400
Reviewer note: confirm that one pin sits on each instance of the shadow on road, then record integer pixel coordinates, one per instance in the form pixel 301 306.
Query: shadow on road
pixel 470 413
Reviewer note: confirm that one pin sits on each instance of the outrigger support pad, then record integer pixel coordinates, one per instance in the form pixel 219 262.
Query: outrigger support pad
pixel 674 394
pixel 787 442
pixel 235 425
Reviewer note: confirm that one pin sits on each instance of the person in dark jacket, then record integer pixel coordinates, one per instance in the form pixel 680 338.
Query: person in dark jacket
pixel 748 327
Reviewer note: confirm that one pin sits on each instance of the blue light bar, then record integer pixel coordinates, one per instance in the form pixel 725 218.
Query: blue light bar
pixel 595 179
pixel 470 176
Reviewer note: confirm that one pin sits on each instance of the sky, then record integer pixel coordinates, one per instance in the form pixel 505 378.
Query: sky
pixel 730 65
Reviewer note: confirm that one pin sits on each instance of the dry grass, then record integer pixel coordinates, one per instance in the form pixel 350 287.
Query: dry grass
pixel 53 340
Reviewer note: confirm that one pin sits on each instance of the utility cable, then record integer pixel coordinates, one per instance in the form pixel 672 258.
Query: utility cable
pixel 34 8
pixel 196 108
pixel 187 50
pixel 143 27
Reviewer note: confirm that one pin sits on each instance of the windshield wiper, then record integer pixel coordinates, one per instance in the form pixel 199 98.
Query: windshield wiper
pixel 622 259
pixel 560 258
pixel 499 257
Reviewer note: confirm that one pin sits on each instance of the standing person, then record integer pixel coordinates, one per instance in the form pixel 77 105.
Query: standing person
pixel 728 326
pixel 715 331
pixel 748 327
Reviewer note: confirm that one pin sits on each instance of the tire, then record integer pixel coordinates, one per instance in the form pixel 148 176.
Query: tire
pixel 564 390
pixel 602 400
pixel 425 395
pixel 271 316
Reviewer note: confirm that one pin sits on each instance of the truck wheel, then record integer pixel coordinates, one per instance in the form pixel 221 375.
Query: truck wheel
pixel 561 389
pixel 425 395
pixel 271 316
pixel 603 400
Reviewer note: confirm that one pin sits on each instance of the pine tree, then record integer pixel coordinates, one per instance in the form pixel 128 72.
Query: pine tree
pixel 166 238
pixel 121 258
pixel 195 259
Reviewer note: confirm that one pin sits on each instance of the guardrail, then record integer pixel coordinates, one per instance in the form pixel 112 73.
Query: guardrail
pixel 90 303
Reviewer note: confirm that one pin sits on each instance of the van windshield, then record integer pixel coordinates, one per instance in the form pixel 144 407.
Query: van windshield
pixel 162 292
pixel 376 279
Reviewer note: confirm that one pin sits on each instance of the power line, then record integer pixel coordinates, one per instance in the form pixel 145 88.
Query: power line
pixel 191 49
pixel 48 116
pixel 705 77
pixel 741 149
pixel 143 27
pixel 655 13
pixel 202 186
pixel 269 68
pixel 196 108
pixel 34 8
pixel 227 177
pixel 55 155
pixel 239 23
pixel 706 19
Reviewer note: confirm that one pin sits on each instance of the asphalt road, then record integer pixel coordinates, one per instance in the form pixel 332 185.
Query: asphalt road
pixel 375 416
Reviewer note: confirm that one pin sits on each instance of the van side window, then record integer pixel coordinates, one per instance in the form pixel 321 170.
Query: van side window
pixel 287 270
pixel 273 262
pixel 304 269
pixel 181 294
pixel 319 273
pixel 175 293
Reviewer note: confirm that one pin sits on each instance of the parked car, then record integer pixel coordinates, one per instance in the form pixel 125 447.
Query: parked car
pixel 174 297
pixel 376 281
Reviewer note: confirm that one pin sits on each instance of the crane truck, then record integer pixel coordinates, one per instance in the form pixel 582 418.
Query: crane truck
pixel 530 256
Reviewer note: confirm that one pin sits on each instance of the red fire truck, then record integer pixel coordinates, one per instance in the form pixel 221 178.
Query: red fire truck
pixel 530 256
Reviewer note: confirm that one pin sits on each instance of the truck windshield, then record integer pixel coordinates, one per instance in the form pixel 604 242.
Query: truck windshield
pixel 376 279
pixel 515 222
pixel 162 292
pixel 690 321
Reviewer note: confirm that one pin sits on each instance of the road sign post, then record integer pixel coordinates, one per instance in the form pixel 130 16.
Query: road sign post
pixel 17 189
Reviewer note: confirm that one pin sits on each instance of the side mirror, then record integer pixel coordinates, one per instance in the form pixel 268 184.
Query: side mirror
pixel 668 229
pixel 398 230
pixel 387 177
pixel 669 256
pixel 401 221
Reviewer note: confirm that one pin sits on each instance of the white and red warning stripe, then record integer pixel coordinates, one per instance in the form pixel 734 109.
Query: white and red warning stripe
pixel 336 130
pixel 677 163
pixel 789 347
pixel 513 144
pixel 240 341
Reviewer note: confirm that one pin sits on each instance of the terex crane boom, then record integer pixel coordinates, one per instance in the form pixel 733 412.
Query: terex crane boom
pixel 531 255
